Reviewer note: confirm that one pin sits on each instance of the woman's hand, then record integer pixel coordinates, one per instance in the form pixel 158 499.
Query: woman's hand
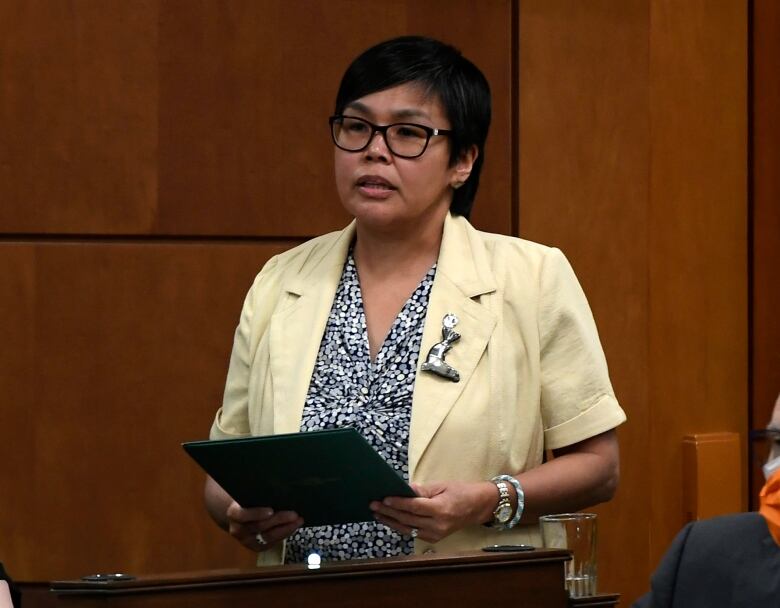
pixel 440 509
pixel 260 528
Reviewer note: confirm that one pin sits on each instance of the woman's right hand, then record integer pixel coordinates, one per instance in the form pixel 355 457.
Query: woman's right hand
pixel 260 528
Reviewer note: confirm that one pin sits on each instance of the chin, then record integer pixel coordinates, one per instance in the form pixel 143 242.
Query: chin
pixel 375 213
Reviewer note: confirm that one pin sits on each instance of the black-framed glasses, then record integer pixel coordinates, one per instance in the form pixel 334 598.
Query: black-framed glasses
pixel 765 444
pixel 771 434
pixel 403 139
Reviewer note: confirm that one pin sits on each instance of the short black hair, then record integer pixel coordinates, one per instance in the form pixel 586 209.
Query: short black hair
pixel 442 70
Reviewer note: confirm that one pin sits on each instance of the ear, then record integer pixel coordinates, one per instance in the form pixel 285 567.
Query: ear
pixel 461 170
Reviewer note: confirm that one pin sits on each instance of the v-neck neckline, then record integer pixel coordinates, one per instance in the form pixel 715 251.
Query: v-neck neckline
pixel 375 364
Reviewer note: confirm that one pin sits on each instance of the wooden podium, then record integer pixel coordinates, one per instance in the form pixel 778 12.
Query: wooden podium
pixel 527 579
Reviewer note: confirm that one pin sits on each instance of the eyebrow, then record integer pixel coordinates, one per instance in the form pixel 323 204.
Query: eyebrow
pixel 396 114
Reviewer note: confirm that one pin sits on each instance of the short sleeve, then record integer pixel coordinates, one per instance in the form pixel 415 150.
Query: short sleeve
pixel 577 399
pixel 232 419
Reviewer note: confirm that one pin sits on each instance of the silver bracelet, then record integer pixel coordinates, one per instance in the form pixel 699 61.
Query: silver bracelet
pixel 520 499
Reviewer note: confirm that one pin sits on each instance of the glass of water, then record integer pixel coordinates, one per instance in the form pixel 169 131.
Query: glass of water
pixel 575 532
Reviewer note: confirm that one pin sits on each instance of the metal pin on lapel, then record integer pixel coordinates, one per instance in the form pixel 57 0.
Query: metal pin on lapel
pixel 435 362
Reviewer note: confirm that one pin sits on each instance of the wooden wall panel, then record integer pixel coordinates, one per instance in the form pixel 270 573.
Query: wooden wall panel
pixel 152 119
pixel 765 182
pixel 483 32
pixel 633 161
pixel 245 92
pixel 206 118
pixel 246 89
pixel 584 154
pixel 697 238
pixel 113 354
pixel 18 416
pixel 78 116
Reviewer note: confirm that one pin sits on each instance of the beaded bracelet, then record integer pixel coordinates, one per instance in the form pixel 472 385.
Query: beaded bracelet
pixel 520 499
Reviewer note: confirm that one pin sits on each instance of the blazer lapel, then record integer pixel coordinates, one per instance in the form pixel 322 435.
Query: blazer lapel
pixel 462 274
pixel 296 330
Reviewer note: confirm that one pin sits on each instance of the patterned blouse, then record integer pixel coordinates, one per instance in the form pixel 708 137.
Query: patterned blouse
pixel 348 390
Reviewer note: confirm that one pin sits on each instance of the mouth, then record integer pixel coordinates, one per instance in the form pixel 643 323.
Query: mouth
pixel 374 183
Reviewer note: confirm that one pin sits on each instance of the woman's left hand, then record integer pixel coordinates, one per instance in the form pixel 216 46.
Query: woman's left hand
pixel 440 508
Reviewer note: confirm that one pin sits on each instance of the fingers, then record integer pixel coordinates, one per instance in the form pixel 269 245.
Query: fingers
pixel 398 512
pixel 410 522
pixel 260 528
pixel 423 491
pixel 260 537
pixel 235 512
pixel 423 528
pixel 440 509
pixel 267 537
pixel 421 506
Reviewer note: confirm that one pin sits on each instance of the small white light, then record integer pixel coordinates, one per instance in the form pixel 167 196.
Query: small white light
pixel 314 560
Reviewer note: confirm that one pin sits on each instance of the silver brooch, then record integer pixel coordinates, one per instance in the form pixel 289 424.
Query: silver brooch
pixel 435 362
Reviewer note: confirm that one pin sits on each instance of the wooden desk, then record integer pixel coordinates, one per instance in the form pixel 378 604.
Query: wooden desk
pixel 532 579
pixel 602 600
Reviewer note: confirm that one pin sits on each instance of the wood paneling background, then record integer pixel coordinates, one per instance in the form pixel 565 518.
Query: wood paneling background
pixel 78 116
pixel 154 154
pixel 765 222
pixel 697 238
pixel 113 354
pixel 585 149
pixel 633 130
pixel 182 118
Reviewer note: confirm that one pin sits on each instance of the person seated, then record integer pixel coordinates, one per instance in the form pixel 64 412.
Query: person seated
pixel 727 561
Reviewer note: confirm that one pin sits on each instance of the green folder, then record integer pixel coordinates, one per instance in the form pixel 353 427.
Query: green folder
pixel 327 477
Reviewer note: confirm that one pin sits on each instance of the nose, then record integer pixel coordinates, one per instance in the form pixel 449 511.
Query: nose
pixel 377 148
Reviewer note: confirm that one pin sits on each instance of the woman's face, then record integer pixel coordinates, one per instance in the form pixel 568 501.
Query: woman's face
pixel 388 192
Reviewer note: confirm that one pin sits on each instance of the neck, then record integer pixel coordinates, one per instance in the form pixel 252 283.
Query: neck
pixel 398 252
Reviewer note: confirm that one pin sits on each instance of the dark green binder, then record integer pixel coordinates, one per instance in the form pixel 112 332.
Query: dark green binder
pixel 327 477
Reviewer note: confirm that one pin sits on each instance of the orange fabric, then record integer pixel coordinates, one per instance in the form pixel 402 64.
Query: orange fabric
pixel 770 505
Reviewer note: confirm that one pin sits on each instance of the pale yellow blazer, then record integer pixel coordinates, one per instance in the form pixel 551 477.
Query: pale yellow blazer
pixel 533 374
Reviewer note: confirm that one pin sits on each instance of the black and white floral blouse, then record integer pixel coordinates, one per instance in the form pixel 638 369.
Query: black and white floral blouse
pixel 349 390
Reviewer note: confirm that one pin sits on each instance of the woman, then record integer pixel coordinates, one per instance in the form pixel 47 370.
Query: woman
pixel 493 357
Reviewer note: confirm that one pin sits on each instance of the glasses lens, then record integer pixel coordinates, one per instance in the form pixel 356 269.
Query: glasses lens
pixel 407 140
pixel 351 133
